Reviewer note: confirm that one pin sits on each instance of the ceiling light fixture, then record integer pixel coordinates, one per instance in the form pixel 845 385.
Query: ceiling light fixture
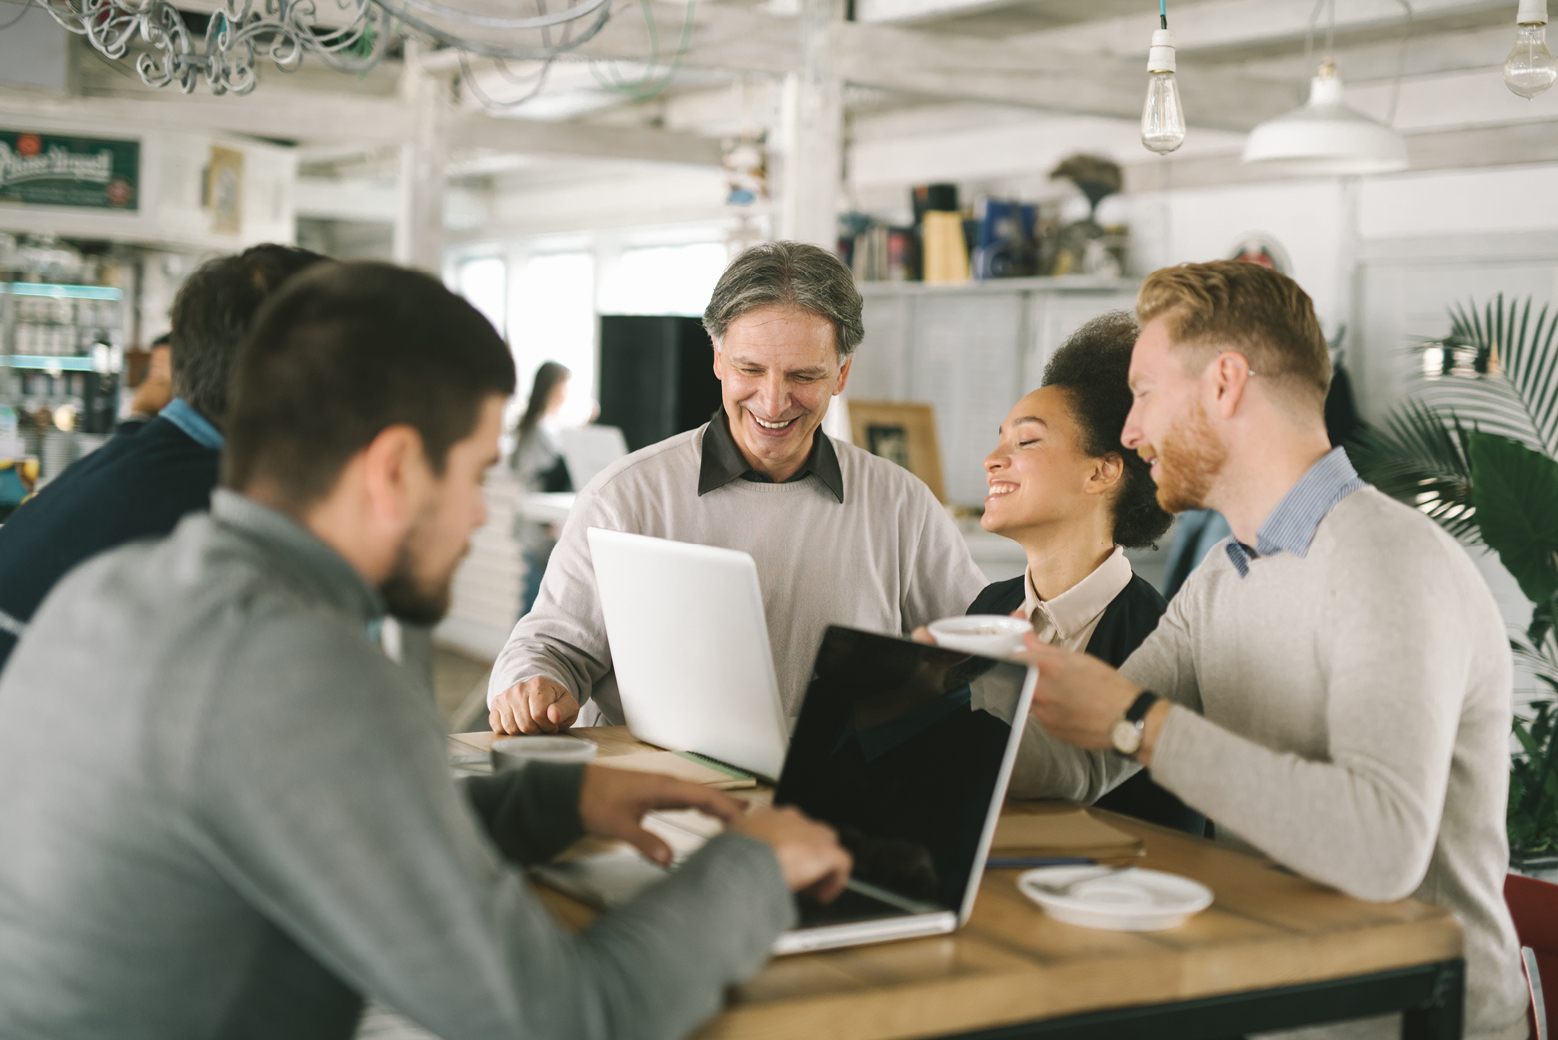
pixel 1162 117
pixel 242 35
pixel 1326 137
pixel 1530 68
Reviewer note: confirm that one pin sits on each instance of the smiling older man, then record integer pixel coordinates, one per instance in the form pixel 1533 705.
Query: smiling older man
pixel 839 536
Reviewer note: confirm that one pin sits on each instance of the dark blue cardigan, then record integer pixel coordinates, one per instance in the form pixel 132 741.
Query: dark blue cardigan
pixel 1127 621
pixel 135 486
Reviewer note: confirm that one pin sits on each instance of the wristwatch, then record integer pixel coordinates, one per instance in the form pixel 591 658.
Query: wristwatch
pixel 1126 736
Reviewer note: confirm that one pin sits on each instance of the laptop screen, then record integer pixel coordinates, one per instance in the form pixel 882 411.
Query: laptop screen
pixel 899 747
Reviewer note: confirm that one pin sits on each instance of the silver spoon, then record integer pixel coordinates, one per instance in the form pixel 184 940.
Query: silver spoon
pixel 1064 889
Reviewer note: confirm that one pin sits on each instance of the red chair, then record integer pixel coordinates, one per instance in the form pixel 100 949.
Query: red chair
pixel 1534 906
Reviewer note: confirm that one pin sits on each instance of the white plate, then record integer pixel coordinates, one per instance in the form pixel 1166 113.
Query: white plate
pixel 1133 900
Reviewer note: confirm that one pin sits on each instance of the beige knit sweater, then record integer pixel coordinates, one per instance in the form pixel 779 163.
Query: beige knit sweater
pixel 1347 713
pixel 886 559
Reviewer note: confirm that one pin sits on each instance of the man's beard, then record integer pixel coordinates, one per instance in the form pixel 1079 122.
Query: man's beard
pixel 410 598
pixel 1189 459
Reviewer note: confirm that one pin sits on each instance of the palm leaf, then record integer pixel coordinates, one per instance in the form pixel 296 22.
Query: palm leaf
pixel 1516 395
pixel 1420 457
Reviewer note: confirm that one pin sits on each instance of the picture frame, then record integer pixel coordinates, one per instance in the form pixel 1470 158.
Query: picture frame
pixel 903 432
pixel 224 190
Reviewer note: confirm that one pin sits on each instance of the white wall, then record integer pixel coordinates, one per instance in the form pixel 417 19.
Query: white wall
pixel 1307 218
pixel 32 47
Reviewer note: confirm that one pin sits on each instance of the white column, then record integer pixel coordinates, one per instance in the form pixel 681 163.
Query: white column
pixel 811 131
pixel 419 217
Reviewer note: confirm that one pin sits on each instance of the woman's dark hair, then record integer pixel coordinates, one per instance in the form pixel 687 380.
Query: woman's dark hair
pixel 547 377
pixel 343 351
pixel 1093 368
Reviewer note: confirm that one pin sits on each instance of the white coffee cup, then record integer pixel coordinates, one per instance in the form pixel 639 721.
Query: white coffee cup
pixel 514 752
pixel 993 635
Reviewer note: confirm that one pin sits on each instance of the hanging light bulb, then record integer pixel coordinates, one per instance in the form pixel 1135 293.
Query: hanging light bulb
pixel 1162 117
pixel 1530 68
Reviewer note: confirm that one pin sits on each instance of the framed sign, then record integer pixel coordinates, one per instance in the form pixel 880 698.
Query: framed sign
pixel 901 432
pixel 224 189
pixel 83 172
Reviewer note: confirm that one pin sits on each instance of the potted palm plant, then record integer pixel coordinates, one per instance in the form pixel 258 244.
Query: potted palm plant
pixel 1475 446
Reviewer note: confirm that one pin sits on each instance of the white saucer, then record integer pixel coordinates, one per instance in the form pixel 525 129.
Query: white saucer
pixel 1133 900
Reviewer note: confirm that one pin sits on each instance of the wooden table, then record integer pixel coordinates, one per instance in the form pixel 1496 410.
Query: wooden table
pixel 1273 951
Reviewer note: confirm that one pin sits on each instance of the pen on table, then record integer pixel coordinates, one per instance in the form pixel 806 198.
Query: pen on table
pixel 1025 862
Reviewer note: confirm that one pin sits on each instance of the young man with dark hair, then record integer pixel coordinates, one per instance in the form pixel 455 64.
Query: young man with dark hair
pixel 253 825
pixel 1332 686
pixel 138 486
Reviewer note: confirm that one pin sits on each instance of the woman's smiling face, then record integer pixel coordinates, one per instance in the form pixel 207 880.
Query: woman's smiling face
pixel 1037 475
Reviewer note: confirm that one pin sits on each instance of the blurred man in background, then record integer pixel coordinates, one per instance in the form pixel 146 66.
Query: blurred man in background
pixel 139 486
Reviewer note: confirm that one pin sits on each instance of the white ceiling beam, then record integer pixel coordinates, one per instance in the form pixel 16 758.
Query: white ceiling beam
pixel 372 122
pixel 1472 148
pixel 935 64
pixel 1426 55
pixel 1015 73
pixel 1230 24
pixel 730 38
pixel 281 114
pixel 528 137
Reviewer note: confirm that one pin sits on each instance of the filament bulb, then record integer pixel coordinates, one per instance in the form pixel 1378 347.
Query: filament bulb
pixel 1162 117
pixel 1530 68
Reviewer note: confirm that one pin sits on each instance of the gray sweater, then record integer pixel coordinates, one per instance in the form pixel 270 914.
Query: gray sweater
pixel 1347 713
pixel 223 812
pixel 886 559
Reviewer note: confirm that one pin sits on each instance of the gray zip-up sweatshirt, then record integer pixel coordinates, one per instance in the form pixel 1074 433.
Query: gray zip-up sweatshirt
pixel 223 812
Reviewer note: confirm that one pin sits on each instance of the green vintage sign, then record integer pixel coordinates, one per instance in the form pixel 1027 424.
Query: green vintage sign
pixel 49 170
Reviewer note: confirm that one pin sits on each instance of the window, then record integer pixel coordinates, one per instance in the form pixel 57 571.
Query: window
pixel 483 281
pixel 663 279
pixel 553 319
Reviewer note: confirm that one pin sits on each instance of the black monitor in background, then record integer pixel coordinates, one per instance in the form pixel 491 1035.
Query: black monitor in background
pixel 656 376
pixel 899 747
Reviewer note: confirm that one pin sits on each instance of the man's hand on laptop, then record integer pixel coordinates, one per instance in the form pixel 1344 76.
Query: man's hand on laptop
pixel 809 854
pixel 612 804
pixel 536 705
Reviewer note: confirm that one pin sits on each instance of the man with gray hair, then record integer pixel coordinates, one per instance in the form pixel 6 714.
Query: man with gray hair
pixel 839 536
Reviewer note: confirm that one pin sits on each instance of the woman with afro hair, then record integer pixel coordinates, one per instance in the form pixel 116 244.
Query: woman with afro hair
pixel 1062 486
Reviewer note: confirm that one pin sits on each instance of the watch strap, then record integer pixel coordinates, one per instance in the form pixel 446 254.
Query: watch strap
pixel 1140 707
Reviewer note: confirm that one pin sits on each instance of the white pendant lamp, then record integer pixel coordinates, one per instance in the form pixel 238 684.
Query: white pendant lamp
pixel 1326 138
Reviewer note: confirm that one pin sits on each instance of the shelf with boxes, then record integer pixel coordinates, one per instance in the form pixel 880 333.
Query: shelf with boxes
pixel 49 321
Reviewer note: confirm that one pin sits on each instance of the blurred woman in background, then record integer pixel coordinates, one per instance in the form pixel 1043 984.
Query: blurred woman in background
pixel 539 466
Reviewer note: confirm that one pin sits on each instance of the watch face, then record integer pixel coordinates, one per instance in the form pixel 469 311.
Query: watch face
pixel 1126 737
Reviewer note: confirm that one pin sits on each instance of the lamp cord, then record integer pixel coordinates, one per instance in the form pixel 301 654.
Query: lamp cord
pixel 1330 42
pixel 1401 64
pixel 1162 14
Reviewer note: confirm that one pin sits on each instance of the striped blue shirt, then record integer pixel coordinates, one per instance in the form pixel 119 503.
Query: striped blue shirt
pixel 1292 525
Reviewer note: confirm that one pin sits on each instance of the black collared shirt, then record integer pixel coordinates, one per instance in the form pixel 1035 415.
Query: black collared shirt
pixel 723 461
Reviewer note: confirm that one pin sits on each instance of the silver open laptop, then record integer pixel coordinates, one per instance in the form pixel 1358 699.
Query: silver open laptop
pixel 906 751
pixel 689 644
